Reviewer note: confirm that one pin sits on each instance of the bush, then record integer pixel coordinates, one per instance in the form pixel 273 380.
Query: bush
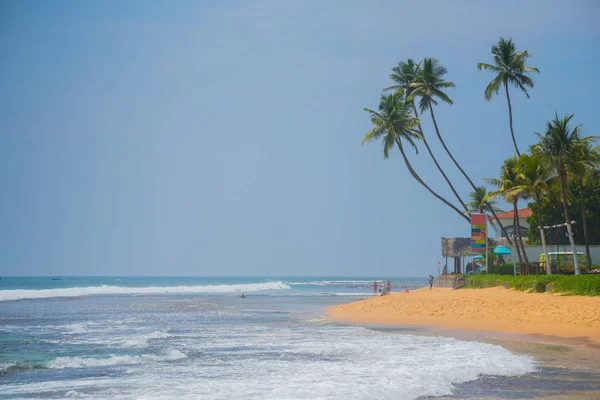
pixel 503 269
pixel 539 287
pixel 581 285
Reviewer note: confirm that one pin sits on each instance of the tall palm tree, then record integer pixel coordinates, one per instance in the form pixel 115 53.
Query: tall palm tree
pixel 509 67
pixel 533 176
pixel 506 184
pixel 583 166
pixel 394 124
pixel 428 84
pixel 558 147
pixel 404 74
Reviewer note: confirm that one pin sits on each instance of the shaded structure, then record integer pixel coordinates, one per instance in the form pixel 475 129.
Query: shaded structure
pixel 458 248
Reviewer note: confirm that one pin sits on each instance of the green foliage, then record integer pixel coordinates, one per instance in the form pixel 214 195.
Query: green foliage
pixel 502 269
pixel 580 285
pixel 552 213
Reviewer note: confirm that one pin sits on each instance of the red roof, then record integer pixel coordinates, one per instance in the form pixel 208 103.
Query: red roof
pixel 522 213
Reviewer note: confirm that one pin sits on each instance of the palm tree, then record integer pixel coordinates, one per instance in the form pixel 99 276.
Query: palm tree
pixel 506 185
pixel 583 166
pixel 533 176
pixel 558 148
pixel 394 124
pixel 509 67
pixel 404 74
pixel 478 202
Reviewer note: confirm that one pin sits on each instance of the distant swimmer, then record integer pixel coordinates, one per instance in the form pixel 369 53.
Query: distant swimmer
pixel 243 296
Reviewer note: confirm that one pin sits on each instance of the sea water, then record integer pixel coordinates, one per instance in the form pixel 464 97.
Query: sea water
pixel 195 338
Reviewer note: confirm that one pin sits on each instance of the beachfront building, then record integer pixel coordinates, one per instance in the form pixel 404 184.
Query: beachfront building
pixel 507 220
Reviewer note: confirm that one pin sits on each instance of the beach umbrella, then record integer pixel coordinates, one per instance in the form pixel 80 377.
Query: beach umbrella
pixel 501 250
pixel 478 258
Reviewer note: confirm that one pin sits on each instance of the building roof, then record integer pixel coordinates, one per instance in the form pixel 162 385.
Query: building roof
pixel 522 213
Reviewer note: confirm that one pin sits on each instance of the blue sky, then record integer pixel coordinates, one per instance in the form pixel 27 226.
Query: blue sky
pixel 223 137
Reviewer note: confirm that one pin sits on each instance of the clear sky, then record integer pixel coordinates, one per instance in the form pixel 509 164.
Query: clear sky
pixel 224 137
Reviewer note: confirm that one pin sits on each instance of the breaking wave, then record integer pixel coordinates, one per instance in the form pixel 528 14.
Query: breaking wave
pixel 18 294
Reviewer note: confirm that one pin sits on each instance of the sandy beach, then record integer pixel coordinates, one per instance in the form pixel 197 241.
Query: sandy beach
pixel 493 309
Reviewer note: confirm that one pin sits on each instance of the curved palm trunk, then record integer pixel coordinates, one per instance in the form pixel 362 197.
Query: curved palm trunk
pixel 512 132
pixel 542 235
pixel 563 184
pixel 499 223
pixel 519 236
pixel 584 221
pixel 448 151
pixel 515 224
pixel 418 179
pixel 437 164
pixel 437 131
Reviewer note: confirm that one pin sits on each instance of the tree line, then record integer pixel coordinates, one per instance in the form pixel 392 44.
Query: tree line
pixel 545 173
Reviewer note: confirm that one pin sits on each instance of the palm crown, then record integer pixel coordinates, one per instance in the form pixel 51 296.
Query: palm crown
pixel 429 84
pixel 478 201
pixel 403 75
pixel 510 69
pixel 393 122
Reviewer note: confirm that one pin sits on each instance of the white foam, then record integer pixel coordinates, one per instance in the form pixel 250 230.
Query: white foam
pixel 86 362
pixel 294 361
pixel 18 294
pixel 142 340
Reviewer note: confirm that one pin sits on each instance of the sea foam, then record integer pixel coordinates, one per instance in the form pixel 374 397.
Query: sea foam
pixel 19 294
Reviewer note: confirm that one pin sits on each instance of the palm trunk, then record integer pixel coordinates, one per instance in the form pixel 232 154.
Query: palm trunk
pixel 437 164
pixel 542 235
pixel 446 148
pixel 515 225
pixel 520 237
pixel 584 221
pixel 563 184
pixel 512 132
pixel 418 179
pixel 499 223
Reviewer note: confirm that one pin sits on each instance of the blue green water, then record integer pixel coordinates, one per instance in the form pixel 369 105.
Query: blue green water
pixel 195 338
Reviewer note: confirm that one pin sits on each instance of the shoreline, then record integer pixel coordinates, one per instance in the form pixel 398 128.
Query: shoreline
pixel 568 358
pixel 494 309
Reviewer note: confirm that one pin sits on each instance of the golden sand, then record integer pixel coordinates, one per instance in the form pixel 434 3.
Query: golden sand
pixel 495 309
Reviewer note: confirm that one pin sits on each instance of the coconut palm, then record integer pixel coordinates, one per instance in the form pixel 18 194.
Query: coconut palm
pixel 533 176
pixel 506 184
pixel 583 166
pixel 509 67
pixel 558 147
pixel 394 124
pixel 404 74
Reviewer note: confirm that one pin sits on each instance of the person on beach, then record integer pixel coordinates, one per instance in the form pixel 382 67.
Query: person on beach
pixel 388 287
pixel 374 288
pixel 430 281
pixel 405 290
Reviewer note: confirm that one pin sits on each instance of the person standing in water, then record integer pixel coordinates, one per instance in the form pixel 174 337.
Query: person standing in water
pixel 374 288
pixel 430 281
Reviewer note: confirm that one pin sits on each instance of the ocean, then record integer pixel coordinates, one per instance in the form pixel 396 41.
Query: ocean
pixel 195 338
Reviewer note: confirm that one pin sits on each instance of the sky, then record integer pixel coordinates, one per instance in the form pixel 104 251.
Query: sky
pixel 223 138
